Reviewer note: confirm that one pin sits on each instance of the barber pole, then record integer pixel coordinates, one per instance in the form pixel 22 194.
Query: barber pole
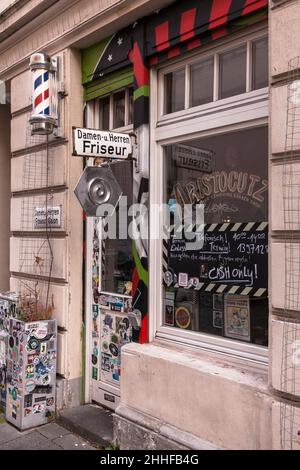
pixel 44 94
pixel 41 93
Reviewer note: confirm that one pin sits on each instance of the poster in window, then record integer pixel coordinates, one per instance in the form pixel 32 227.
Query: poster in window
pixel 169 308
pixel 237 317
pixel 217 319
pixel 183 317
pixel 218 301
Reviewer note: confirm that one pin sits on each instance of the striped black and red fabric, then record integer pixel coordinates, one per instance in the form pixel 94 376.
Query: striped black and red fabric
pixel 187 24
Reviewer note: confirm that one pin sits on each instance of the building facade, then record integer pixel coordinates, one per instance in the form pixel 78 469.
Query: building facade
pixel 192 347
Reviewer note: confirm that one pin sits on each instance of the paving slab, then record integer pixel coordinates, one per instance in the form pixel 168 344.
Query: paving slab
pixel 72 442
pixel 9 433
pixel 50 436
pixel 52 431
pixel 31 441
pixel 91 422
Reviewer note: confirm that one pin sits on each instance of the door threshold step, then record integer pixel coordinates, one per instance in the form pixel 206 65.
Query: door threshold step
pixel 92 422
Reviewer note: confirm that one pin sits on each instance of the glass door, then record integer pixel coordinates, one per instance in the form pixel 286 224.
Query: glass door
pixel 112 268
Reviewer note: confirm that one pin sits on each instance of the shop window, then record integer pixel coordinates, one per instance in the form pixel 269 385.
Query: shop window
pixel 229 71
pixel 116 110
pixel 211 149
pixel 202 82
pixel 119 109
pixel 233 72
pixel 104 113
pixel 130 106
pixel 220 289
pixel 260 63
pixel 175 91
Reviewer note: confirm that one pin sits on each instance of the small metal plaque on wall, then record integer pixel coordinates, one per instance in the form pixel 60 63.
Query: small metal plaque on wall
pixel 53 217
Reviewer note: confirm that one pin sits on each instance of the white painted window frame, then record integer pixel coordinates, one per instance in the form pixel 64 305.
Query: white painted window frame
pixel 214 52
pixel 244 111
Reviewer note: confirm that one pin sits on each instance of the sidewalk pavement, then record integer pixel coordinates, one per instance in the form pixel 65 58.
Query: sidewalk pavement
pixel 51 436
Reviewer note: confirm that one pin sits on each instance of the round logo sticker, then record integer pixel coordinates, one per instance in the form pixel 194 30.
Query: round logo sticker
pixel 182 317
pixel 50 401
pixel 15 354
pixel 94 359
pixel 30 386
pixel 32 344
pixel 41 332
pixel 14 394
pixel 113 349
pixel 45 379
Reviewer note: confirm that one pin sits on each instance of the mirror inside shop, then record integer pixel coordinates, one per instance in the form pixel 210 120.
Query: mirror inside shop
pixel 221 287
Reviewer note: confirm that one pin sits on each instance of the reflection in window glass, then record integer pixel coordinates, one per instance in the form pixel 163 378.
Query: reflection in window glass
pixel 119 109
pixel 174 91
pixel 104 113
pixel 233 72
pixel 202 82
pixel 221 287
pixel 118 265
pixel 260 63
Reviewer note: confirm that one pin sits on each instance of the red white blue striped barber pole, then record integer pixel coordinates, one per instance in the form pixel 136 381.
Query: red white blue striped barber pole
pixel 41 92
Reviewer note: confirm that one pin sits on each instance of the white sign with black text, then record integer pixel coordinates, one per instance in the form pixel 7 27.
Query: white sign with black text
pixel 53 217
pixel 94 143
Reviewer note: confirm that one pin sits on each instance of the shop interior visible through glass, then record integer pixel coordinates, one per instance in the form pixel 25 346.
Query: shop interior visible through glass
pixel 220 289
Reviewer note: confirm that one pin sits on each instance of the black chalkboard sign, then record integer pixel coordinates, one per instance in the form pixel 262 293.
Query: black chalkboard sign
pixel 234 256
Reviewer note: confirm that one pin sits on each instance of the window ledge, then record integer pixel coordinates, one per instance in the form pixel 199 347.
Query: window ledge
pixel 232 369
pixel 231 350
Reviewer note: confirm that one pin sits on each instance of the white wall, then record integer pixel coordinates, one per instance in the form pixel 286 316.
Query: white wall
pixel 4 195
pixel 29 163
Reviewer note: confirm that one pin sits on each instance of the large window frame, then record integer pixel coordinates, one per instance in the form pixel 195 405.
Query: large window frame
pixel 238 112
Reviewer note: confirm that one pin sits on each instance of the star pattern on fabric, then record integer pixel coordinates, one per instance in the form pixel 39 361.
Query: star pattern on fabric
pixel 110 58
pixel 120 41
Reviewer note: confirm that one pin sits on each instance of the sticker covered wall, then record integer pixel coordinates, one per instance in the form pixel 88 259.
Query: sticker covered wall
pixel 31 373
pixel 30 367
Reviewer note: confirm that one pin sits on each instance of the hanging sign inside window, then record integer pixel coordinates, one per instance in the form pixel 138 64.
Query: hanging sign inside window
pixel 94 143
pixel 193 158
pixel 53 217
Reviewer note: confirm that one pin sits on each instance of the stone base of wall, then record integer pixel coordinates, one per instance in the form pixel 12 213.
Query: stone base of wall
pixel 134 430
pixel 68 393
pixel 222 401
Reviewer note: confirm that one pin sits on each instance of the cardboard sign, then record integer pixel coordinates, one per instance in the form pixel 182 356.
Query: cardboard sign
pixel 94 143
pixel 237 317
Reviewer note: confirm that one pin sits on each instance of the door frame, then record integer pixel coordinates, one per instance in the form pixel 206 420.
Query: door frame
pixel 93 387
